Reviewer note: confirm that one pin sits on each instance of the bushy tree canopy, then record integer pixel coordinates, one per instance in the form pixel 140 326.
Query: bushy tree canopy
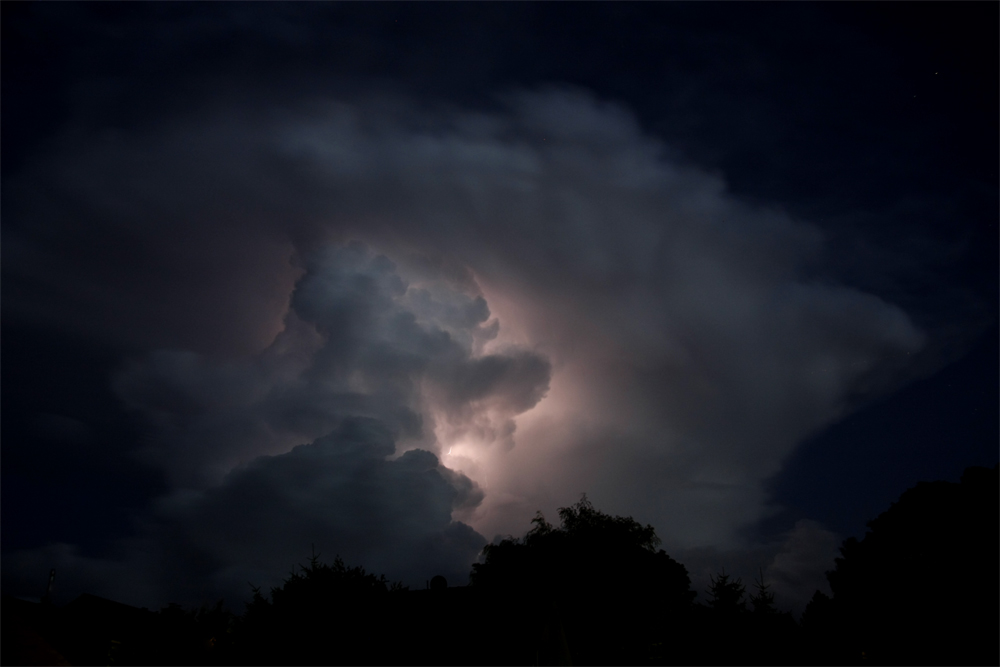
pixel 725 595
pixel 589 553
pixel 921 587
pixel 320 613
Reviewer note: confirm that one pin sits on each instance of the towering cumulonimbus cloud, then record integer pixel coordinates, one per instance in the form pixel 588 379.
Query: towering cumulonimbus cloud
pixel 486 314
pixel 693 347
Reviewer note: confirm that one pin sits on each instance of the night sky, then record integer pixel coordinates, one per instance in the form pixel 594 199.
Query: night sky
pixel 387 279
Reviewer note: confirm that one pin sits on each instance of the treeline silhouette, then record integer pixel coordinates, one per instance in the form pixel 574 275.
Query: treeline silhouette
pixel 921 587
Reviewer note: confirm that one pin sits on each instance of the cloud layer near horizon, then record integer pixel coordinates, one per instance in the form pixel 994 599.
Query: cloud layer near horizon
pixel 562 306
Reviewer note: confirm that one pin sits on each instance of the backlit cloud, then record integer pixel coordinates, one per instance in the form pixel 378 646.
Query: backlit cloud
pixel 543 298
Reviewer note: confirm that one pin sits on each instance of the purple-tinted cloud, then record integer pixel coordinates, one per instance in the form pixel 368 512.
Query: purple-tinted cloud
pixel 544 301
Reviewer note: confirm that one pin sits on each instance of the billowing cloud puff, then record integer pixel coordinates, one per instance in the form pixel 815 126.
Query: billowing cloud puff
pixel 359 341
pixel 341 495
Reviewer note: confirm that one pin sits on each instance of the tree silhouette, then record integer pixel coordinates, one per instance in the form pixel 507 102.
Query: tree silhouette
pixel 725 596
pixel 321 614
pixel 600 578
pixel 763 600
pixel 921 587
pixel 590 551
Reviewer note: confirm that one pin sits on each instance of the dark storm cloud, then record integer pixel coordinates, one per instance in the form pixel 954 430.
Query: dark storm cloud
pixel 351 346
pixel 347 374
pixel 553 300
pixel 340 494
pixel 516 382
pixel 683 323
pixel 690 350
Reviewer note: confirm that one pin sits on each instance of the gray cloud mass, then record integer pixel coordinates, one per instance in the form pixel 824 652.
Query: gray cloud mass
pixel 385 327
